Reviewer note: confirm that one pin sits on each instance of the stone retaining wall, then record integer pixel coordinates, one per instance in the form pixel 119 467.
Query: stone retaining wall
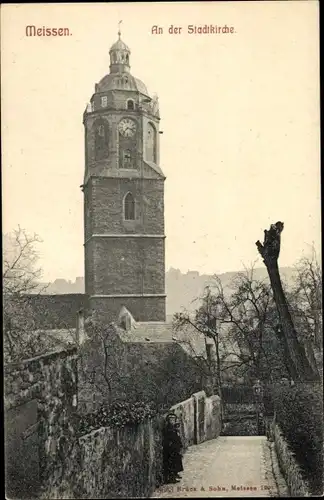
pixel 112 463
pixel 127 462
pixel 46 458
pixel 291 471
pixel 40 400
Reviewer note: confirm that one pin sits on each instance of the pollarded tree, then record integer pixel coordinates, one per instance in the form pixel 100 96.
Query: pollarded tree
pixel 299 365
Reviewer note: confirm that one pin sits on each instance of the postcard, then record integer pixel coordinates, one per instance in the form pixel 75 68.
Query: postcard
pixel 162 271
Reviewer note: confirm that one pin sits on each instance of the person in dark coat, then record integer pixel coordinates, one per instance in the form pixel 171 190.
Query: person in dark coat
pixel 172 450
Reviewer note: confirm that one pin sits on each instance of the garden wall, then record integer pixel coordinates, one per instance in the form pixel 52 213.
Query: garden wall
pixel 200 418
pixel 40 400
pixel 112 463
pixel 127 462
pixel 46 457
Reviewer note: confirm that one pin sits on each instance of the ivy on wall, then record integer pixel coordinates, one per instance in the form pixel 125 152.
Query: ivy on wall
pixel 119 414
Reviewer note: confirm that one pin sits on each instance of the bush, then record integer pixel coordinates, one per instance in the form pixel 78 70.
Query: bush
pixel 268 400
pixel 119 414
pixel 299 414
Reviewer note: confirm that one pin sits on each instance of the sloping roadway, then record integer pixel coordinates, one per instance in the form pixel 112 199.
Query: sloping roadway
pixel 229 466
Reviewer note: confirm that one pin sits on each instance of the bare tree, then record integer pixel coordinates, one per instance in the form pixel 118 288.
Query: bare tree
pixel 241 323
pixel 299 365
pixel 307 298
pixel 102 369
pixel 20 272
pixel 206 321
pixel 305 302
pixel 21 277
pixel 252 316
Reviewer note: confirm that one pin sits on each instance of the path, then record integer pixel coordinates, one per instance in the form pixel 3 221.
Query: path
pixel 229 466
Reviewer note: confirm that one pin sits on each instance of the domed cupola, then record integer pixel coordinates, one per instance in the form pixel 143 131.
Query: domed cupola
pixel 119 57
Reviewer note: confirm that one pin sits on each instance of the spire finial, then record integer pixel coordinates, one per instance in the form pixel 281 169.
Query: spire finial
pixel 119 33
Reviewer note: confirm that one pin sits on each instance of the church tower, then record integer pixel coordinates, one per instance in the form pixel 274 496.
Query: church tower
pixel 123 190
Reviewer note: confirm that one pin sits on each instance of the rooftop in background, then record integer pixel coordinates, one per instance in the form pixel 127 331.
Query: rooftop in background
pixel 182 289
pixel 191 341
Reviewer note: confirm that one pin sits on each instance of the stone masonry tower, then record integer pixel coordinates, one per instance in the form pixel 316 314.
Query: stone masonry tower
pixel 123 196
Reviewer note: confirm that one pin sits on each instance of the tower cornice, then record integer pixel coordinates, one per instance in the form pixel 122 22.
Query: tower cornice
pixel 139 112
pixel 126 235
pixel 121 177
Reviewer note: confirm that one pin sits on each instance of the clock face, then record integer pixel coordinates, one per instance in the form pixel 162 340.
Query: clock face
pixel 127 127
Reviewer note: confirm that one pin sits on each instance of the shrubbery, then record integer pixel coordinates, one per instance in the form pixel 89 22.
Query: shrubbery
pixel 119 414
pixel 299 414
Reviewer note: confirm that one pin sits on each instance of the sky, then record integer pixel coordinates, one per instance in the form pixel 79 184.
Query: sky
pixel 239 112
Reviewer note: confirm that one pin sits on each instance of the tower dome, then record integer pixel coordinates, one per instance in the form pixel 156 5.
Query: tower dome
pixel 119 56
pixel 119 45
pixel 120 78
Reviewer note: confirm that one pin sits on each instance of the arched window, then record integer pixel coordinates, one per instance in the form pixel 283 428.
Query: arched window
pixel 101 140
pixel 130 104
pixel 151 143
pixel 129 207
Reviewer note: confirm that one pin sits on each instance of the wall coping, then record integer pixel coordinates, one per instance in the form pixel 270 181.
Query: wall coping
pixel 182 402
pixel 47 357
pixel 110 429
pixel 55 295
pixel 200 394
pixel 214 397
pixel 95 433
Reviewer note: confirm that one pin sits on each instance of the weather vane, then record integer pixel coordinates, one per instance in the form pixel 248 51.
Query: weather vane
pixel 119 33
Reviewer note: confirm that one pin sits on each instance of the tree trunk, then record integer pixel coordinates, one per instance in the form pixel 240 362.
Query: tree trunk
pixel 299 365
pixel 318 334
pixel 219 376
pixel 290 367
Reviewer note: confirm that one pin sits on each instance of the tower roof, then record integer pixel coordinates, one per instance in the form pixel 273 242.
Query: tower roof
pixel 119 77
pixel 119 55
pixel 118 81
pixel 119 45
